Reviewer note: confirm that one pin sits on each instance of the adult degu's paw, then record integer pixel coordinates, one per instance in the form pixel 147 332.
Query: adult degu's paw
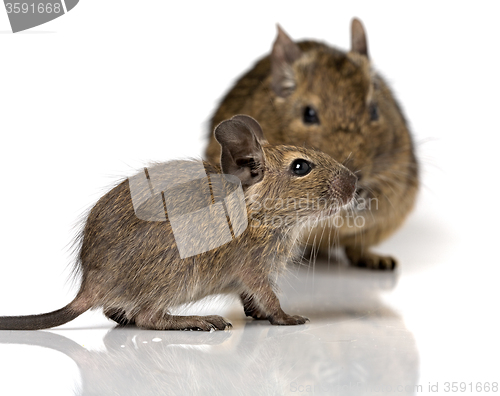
pixel 288 320
pixel 371 260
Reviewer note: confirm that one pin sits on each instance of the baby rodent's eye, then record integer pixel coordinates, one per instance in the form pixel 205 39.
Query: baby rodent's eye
pixel 310 116
pixel 373 110
pixel 301 167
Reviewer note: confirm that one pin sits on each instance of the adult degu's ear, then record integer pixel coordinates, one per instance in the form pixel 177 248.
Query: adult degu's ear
pixel 359 42
pixel 241 140
pixel 284 53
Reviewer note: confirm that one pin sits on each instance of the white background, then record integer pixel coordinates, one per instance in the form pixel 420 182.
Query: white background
pixel 95 94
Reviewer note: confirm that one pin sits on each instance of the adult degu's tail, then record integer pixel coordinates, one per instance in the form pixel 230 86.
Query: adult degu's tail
pixel 44 321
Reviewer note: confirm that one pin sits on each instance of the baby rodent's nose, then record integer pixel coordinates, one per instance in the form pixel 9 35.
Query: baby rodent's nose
pixel 345 185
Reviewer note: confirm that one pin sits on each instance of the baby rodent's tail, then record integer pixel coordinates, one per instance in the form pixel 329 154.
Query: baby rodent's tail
pixel 44 321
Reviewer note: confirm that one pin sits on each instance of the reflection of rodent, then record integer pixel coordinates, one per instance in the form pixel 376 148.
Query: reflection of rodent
pixel 132 268
pixel 309 94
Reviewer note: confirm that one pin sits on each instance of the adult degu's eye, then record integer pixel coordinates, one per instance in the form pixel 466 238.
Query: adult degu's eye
pixel 301 167
pixel 310 116
pixel 373 110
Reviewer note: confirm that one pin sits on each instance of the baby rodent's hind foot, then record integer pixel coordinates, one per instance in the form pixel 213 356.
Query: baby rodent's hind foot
pixel 118 315
pixel 173 322
pixel 251 308
pixel 370 260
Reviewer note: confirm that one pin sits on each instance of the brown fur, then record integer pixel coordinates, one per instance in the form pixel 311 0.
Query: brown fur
pixel 132 268
pixel 344 90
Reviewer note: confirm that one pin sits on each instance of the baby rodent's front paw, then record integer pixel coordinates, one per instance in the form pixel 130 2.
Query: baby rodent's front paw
pixel 288 320
pixel 370 260
pixel 269 305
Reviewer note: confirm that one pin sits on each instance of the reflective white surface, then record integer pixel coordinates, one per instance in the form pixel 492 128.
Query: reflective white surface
pixel 369 333
pixel 353 339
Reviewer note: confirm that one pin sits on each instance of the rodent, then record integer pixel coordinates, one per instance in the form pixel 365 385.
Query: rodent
pixel 132 267
pixel 310 94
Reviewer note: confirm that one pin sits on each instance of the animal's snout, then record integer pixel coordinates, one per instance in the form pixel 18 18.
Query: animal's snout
pixel 345 185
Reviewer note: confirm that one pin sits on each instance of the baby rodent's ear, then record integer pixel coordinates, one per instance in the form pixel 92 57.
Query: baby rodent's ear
pixel 359 43
pixel 284 53
pixel 241 148
pixel 253 125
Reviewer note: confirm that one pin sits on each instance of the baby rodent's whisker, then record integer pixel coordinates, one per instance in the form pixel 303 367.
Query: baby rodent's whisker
pixel 346 161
